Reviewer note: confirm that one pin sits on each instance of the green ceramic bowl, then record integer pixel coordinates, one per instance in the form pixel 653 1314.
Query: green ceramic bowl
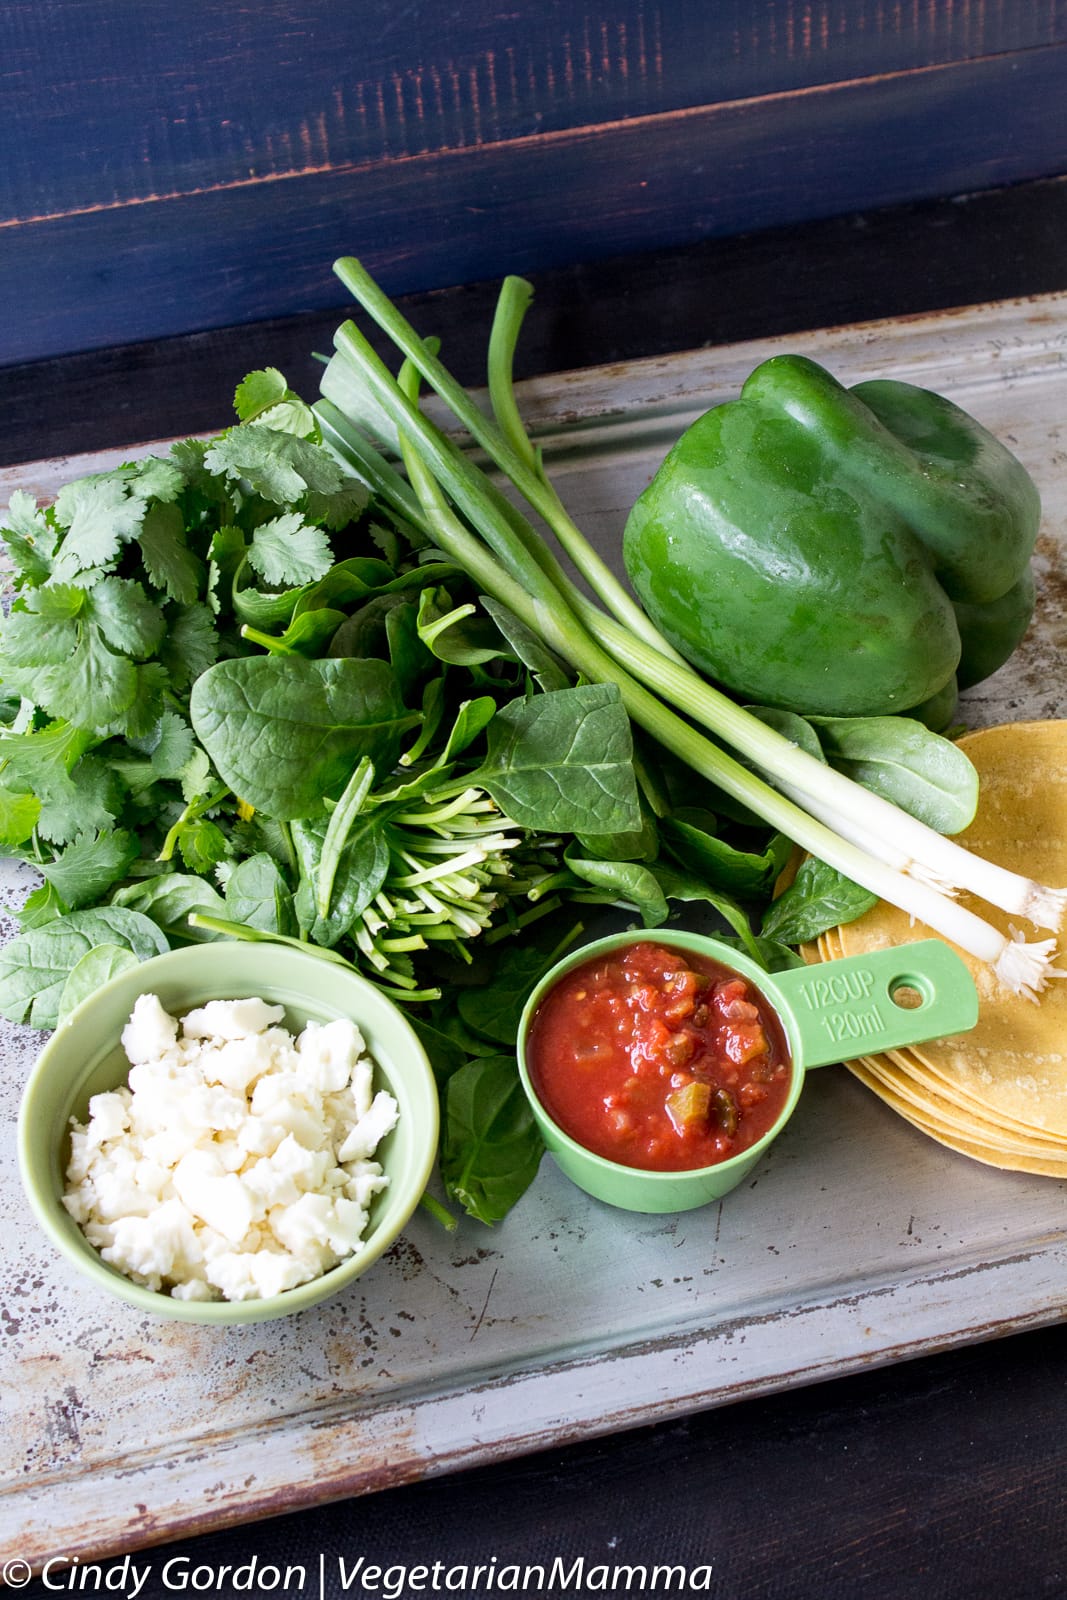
pixel 84 1057
pixel 829 1013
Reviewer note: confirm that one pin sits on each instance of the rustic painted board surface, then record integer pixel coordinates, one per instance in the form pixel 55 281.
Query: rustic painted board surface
pixel 179 168
pixel 857 1241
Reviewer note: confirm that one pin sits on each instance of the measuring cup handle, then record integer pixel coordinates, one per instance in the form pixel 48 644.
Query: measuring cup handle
pixel 856 1006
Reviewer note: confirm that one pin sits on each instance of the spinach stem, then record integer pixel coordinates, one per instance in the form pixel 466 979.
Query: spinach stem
pixel 435 1209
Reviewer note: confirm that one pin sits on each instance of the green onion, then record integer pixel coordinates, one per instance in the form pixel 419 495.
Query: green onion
pixel 501 551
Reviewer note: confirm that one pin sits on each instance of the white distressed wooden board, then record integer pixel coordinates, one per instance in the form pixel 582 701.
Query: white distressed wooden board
pixel 857 1242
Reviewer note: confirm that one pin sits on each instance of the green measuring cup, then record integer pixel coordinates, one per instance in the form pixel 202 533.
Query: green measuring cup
pixel 855 1006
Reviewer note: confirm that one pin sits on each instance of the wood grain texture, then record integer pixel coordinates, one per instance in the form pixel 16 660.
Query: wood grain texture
pixel 110 104
pixel 173 169
pixel 944 253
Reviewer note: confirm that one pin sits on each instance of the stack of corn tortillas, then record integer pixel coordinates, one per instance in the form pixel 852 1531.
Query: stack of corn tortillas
pixel 998 1093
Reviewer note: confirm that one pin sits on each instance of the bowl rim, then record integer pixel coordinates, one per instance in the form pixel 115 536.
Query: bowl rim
pixel 655 1177
pixel 409 1077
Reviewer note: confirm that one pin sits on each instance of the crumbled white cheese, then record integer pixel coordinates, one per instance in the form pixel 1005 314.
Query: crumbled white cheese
pixel 237 1161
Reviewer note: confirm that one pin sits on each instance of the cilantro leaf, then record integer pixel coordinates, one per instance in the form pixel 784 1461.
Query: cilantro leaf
pixel 174 747
pixel 156 478
pixel 169 562
pixel 86 869
pixel 100 683
pixel 99 514
pixel 197 776
pixel 258 392
pixel 127 618
pixel 266 397
pixel 44 760
pixel 92 797
pixel 30 538
pixel 190 645
pixel 202 844
pixel 57 602
pixel 279 466
pixel 188 457
pixel 287 550
pixel 136 776
pixel 338 509
pixel 143 710
pixel 226 553
pixel 26 646
pixel 42 906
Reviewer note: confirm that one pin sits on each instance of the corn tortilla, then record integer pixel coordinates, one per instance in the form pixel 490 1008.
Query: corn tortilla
pixel 965 1121
pixel 1002 1088
pixel 945 1134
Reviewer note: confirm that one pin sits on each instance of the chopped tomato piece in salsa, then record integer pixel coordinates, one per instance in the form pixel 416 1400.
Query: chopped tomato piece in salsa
pixel 659 1058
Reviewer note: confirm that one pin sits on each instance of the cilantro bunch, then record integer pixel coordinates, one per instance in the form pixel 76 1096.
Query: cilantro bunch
pixel 126 589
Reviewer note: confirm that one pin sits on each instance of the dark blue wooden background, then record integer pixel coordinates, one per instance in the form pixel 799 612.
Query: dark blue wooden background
pixel 192 165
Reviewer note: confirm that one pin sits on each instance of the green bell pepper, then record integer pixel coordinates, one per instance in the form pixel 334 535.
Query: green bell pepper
pixel 847 552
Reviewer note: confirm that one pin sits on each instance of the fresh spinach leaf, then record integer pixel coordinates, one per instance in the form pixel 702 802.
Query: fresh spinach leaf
pixel 490 1145
pixel 257 893
pixel 741 872
pixel 771 954
pixel 96 967
pixel 684 886
pixel 903 761
pixel 446 1055
pixel 563 762
pixel 642 844
pixel 493 1009
pixel 359 873
pixel 457 634
pixel 170 900
pixel 472 718
pixel 448 1022
pixel 549 671
pixel 798 730
pixel 820 897
pixel 308 634
pixel 285 732
pixel 623 883
pixel 35 966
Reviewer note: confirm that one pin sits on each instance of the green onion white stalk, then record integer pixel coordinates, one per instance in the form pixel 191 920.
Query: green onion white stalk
pixel 856 813
pixel 513 564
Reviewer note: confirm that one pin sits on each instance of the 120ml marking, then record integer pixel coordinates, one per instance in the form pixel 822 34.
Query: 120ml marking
pixel 842 1025
pixel 838 987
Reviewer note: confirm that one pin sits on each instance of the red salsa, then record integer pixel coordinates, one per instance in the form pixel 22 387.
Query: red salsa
pixel 659 1058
